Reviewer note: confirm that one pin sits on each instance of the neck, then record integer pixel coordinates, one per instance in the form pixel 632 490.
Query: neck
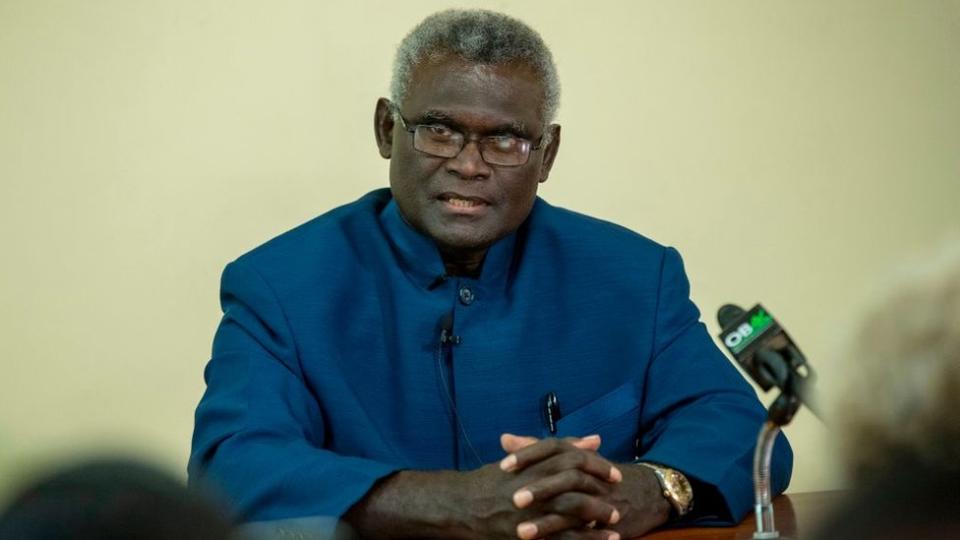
pixel 464 263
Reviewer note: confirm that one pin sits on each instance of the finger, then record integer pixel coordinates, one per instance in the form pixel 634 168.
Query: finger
pixel 590 442
pixel 587 508
pixel 585 534
pixel 568 481
pixel 531 454
pixel 543 449
pixel 572 467
pixel 511 443
pixel 559 526
pixel 546 525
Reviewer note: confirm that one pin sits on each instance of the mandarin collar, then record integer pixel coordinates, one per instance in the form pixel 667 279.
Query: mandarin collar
pixel 420 259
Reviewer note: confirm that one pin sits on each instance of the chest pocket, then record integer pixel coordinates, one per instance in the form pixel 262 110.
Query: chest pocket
pixel 615 416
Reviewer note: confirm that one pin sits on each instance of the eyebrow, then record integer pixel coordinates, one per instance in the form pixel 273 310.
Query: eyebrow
pixel 516 128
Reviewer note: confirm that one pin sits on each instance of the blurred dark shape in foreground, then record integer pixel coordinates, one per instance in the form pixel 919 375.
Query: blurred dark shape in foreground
pixel 112 499
pixel 899 415
pixel 913 501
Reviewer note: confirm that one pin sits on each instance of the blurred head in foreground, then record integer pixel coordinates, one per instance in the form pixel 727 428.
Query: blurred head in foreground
pixel 111 500
pixel 898 419
pixel 902 399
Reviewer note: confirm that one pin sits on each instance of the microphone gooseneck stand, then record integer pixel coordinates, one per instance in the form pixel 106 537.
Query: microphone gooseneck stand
pixel 778 415
pixel 766 353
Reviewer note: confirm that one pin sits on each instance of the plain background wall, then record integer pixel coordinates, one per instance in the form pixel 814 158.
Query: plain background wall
pixel 789 150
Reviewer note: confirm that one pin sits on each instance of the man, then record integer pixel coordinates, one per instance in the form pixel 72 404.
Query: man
pixel 454 357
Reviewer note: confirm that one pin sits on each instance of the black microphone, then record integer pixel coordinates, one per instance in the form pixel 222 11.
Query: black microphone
pixel 446 330
pixel 766 352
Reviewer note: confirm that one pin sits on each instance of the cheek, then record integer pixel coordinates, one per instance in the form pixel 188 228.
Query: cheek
pixel 408 174
pixel 523 186
pixel 521 192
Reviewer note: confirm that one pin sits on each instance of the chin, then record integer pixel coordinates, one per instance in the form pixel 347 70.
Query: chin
pixel 464 241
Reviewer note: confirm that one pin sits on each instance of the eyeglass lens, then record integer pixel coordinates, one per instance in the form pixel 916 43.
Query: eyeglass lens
pixel 444 142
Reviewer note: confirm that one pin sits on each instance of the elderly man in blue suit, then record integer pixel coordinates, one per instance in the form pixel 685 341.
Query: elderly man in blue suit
pixel 455 357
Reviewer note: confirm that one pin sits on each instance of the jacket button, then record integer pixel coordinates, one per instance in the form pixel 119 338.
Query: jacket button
pixel 466 296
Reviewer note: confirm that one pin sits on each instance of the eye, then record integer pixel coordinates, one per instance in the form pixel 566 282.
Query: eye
pixel 504 143
pixel 438 131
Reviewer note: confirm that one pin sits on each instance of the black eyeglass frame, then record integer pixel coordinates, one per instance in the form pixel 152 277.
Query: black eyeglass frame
pixel 412 130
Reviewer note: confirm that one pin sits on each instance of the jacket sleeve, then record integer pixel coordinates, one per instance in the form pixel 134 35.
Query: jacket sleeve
pixel 259 434
pixel 699 414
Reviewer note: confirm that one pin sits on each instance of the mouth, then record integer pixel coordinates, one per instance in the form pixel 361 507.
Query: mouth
pixel 463 204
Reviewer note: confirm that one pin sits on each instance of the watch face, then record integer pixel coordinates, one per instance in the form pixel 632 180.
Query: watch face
pixel 680 487
pixel 676 487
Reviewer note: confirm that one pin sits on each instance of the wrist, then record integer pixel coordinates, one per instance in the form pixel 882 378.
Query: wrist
pixel 640 501
pixel 445 510
pixel 412 504
pixel 674 488
pixel 458 508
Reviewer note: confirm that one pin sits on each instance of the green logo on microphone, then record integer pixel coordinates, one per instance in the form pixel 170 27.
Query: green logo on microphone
pixel 739 338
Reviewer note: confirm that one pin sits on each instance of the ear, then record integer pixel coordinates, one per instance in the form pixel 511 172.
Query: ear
pixel 550 152
pixel 383 127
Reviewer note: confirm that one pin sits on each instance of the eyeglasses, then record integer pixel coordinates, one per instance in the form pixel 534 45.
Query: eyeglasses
pixel 442 141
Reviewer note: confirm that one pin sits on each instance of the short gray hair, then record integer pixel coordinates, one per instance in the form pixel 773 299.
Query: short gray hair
pixel 479 36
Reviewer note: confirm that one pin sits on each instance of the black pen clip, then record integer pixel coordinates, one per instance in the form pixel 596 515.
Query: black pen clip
pixel 551 411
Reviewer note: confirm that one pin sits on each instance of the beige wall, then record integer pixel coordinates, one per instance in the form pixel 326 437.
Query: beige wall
pixel 790 150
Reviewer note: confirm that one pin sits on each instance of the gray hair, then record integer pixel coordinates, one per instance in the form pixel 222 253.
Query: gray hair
pixel 477 36
pixel 902 395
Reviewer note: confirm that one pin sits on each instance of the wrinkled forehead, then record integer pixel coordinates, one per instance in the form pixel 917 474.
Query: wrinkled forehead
pixel 477 93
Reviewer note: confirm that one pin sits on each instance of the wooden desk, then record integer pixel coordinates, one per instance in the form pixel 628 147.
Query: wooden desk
pixel 796 516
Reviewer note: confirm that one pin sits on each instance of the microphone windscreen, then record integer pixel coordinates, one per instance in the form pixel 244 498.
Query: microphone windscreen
pixel 727 314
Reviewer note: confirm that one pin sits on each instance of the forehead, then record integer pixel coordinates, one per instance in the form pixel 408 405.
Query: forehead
pixel 479 95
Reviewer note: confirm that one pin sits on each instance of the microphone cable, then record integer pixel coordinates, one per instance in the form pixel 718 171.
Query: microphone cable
pixel 447 337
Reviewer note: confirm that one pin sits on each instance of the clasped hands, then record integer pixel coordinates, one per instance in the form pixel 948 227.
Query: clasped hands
pixel 563 489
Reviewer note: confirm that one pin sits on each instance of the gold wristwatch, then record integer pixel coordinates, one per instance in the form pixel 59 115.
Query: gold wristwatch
pixel 675 487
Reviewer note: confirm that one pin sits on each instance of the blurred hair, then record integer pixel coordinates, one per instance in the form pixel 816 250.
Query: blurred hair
pixel 902 399
pixel 476 36
pixel 898 418
pixel 112 499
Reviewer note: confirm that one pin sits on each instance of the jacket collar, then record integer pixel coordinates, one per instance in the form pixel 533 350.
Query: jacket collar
pixel 420 259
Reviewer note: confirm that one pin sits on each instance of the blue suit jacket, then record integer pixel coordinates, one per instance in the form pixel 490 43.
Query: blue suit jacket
pixel 328 372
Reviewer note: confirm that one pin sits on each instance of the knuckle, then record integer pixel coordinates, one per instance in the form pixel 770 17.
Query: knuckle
pixel 583 507
pixel 584 482
pixel 570 440
pixel 566 504
pixel 528 455
pixel 593 509
pixel 594 462
pixel 571 478
pixel 590 484
pixel 553 524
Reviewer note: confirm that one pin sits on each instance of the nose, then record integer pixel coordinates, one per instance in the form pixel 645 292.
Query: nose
pixel 469 164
